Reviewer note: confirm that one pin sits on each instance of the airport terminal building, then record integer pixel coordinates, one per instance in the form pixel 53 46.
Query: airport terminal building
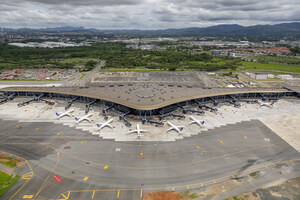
pixel 154 99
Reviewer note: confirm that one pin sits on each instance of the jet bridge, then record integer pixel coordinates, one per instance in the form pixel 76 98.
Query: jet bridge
pixel 37 98
pixel 8 98
pixel 88 105
pixel 71 102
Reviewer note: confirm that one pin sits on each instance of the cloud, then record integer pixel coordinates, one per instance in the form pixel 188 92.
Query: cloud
pixel 145 14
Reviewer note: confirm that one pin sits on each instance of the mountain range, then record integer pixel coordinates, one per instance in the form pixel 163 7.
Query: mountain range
pixel 285 29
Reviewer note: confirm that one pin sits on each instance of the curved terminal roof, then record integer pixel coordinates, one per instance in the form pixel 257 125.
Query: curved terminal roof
pixel 144 97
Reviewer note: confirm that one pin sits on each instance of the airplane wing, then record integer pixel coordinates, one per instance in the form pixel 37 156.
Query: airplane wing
pixel 88 119
pixel 109 125
pixel 171 128
pixel 192 122
pixel 134 131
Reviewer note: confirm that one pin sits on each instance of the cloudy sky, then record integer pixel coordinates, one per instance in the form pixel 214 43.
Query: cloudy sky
pixel 145 14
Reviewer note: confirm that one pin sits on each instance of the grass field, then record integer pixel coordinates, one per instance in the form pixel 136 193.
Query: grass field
pixel 279 67
pixel 8 161
pixel 7 181
pixel 276 59
pixel 83 75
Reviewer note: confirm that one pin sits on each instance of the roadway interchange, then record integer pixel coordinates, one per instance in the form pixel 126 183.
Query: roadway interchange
pixel 92 168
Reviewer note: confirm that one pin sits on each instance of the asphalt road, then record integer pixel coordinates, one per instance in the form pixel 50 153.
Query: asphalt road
pixel 88 77
pixel 92 168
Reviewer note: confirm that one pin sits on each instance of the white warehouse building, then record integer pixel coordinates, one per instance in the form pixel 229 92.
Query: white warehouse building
pixel 259 76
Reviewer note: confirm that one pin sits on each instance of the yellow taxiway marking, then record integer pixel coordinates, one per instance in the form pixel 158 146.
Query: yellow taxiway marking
pixel 17 125
pixel 141 195
pixel 86 178
pixel 105 167
pixel 81 142
pixel 197 147
pixel 27 176
pixel 232 176
pixel 173 188
pixel 118 194
pixel 66 197
pixel 27 196
pixel 214 181
pixel 187 187
pixel 37 129
pixel 58 134
pixel 221 141
pixel 245 137
pixel 93 194
pixel 141 154
pixel 183 186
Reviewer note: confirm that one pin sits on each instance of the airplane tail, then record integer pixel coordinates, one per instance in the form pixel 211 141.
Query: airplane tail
pixel 272 103
pixel 202 122
pixel 98 125
pixel 57 114
pixel 181 129
pixel 76 119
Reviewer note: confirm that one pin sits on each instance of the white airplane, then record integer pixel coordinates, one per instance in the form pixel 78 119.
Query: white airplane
pixel 270 105
pixel 78 120
pixel 196 121
pixel 179 129
pixel 138 130
pixel 107 123
pixel 65 114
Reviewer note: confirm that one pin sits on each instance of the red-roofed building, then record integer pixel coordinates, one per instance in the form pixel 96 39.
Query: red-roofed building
pixel 40 71
pixel 19 70
pixel 41 77
pixel 9 77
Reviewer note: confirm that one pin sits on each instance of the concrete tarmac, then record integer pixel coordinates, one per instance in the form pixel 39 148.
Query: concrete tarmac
pixel 92 168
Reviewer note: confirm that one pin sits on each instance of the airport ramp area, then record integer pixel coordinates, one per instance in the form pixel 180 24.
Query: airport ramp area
pixel 283 119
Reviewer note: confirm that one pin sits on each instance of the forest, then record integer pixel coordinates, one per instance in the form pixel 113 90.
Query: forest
pixel 116 55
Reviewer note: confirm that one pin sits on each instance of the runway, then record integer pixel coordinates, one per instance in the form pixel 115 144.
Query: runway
pixel 92 168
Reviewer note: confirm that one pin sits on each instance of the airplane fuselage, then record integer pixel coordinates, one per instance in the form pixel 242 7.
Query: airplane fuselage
pixel 84 118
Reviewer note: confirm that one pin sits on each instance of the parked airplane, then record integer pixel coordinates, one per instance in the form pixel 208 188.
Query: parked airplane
pixel 65 114
pixel 269 105
pixel 78 120
pixel 107 123
pixel 179 129
pixel 138 130
pixel 196 121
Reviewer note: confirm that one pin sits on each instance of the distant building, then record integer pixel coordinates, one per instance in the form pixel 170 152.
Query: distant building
pixel 285 77
pixel 271 76
pixel 259 76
